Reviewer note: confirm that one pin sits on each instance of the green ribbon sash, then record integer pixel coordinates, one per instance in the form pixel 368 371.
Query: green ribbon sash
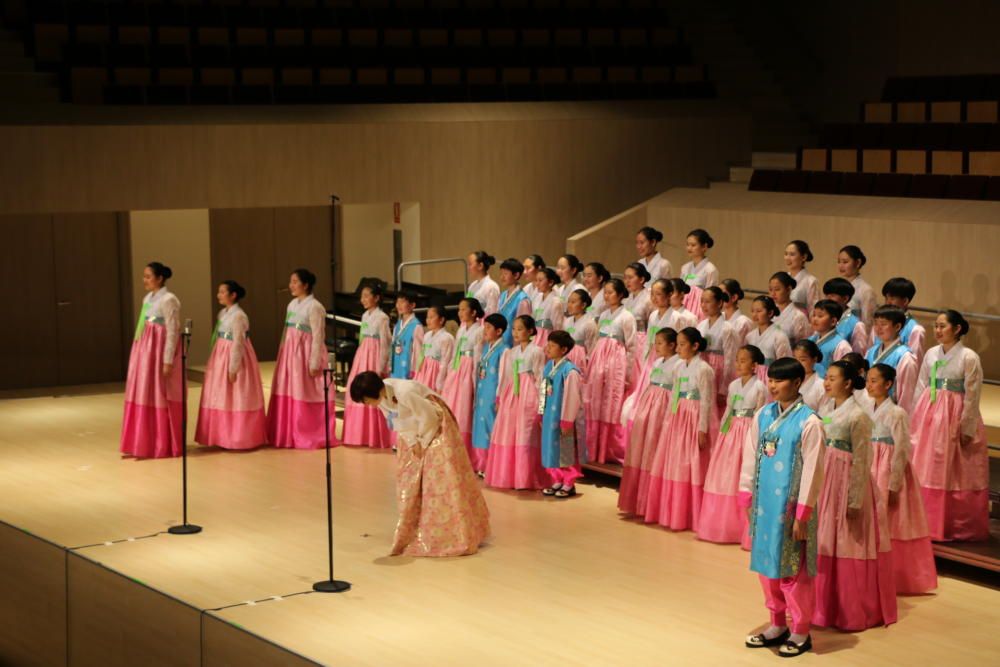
pixel 729 418
pixel 677 393
pixel 938 365
pixel 517 377
pixel 140 326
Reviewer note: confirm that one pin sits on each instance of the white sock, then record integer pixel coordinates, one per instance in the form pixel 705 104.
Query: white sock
pixel 774 631
pixel 798 639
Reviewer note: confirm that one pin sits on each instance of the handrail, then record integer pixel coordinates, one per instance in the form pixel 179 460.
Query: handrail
pixel 343 320
pixel 974 316
pixel 419 262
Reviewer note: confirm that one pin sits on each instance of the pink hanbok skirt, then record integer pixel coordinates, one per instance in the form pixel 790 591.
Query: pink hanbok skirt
pixel 151 427
pixel 460 394
pixel 514 459
pixel 231 414
pixel 721 519
pixel 652 417
pixel 363 425
pixel 603 396
pixel 295 413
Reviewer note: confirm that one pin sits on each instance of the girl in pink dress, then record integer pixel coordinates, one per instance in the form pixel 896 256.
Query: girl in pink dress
pixel 855 588
pixel 949 440
pixel 652 416
pixel 231 413
pixel 791 319
pixel 646 240
pixel 850 260
pixel 806 292
pixel 532 263
pixel 582 328
pixel 154 390
pixel 568 268
pixel 436 352
pixel 768 338
pixel 809 355
pixel 364 425
pixel 660 316
pixel 460 386
pixel 740 323
pixel 609 376
pixel 699 273
pixel 721 340
pixel 515 456
pixel 595 276
pixel 295 412
pixel 912 553
pixel 639 304
pixel 482 288
pixel 546 306
pixel 679 317
pixel 684 448
pixel 722 519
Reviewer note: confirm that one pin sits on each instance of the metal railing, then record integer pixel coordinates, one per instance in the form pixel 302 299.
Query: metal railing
pixel 421 262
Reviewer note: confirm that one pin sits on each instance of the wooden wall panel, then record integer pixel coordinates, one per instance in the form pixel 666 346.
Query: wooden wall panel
pixel 27 292
pixel 33 604
pixel 243 250
pixel 224 645
pixel 113 621
pixel 88 297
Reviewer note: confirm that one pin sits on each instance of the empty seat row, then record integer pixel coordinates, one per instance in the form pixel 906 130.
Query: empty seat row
pixel 941 88
pixel 955 111
pixel 926 136
pixel 162 94
pixel 880 161
pixel 930 186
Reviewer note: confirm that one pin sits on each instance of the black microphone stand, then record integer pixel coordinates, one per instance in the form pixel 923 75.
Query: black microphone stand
pixel 330 585
pixel 185 528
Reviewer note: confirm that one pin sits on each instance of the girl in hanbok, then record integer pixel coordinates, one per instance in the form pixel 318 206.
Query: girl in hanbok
pixel 740 323
pixel 546 306
pixel 459 390
pixel 855 587
pixel 487 383
pixel 806 292
pixel 949 440
pixel 407 340
pixel 595 276
pixel 582 328
pixel 887 322
pixel 513 299
pixel 295 412
pixel 154 388
pixel 679 317
pixel 850 259
pixel 912 553
pixel 436 352
pixel 531 265
pixel 561 408
pixel 720 341
pixel 779 486
pixel 231 413
pixel 790 319
pixel 830 342
pixel 638 303
pixel 684 448
pixel 646 240
pixel 810 356
pixel 365 425
pixel 769 339
pixel 441 508
pixel 609 376
pixel 482 288
pixel 699 273
pixel 652 416
pixel 849 325
pixel 568 269
pixel 515 455
pixel 660 317
pixel 722 519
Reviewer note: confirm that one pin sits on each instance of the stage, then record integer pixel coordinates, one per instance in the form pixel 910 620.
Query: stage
pixel 90 576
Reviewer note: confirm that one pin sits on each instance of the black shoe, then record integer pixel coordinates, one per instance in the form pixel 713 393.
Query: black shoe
pixel 760 641
pixel 566 493
pixel 791 650
pixel 551 490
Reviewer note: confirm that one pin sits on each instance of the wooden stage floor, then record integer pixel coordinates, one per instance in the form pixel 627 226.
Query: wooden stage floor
pixel 560 583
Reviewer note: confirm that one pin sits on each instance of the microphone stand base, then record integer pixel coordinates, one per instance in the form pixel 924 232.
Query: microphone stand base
pixel 332 586
pixel 184 529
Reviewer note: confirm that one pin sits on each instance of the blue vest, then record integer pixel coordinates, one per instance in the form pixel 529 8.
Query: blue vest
pixel 891 359
pixel 826 347
pixel 778 474
pixel 402 346
pixel 485 411
pixel 845 327
pixel 557 450
pixel 508 308
pixel 906 331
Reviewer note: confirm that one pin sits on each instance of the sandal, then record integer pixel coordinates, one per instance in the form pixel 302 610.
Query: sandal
pixel 760 641
pixel 552 490
pixel 790 649
pixel 566 492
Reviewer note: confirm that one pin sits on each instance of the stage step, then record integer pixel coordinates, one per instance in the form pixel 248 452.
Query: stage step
pixel 610 469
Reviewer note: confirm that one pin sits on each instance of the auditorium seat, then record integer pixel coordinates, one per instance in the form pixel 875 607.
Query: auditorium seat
pixel 928 186
pixel 891 185
pixel 966 187
pixel 824 182
pixel 857 184
pixel 765 180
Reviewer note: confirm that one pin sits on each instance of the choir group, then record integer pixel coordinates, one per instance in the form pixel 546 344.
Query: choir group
pixel 818 432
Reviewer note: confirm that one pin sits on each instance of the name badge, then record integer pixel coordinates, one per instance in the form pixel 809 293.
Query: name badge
pixel 770 447
pixel 399 349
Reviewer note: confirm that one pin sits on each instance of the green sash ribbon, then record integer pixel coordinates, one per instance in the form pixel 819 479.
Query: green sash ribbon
pixel 938 365
pixel 677 393
pixel 140 326
pixel 458 353
pixel 729 418
pixel 517 377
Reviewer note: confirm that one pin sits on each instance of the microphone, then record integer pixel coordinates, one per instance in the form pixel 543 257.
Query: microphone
pixel 187 327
